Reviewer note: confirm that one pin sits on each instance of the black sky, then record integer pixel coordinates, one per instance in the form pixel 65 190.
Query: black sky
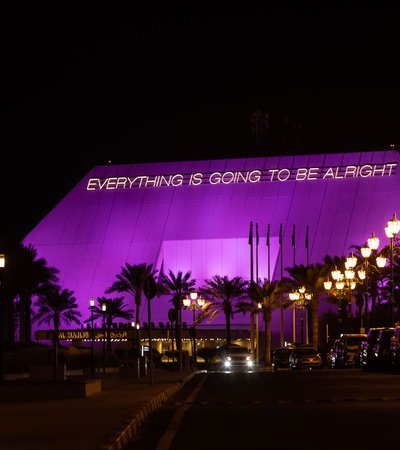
pixel 82 89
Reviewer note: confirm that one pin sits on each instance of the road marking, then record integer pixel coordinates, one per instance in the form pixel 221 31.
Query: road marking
pixel 166 439
pixel 288 401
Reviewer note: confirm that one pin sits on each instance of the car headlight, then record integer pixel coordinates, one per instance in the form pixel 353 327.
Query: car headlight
pixel 227 362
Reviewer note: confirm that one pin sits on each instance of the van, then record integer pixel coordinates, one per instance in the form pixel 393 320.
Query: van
pixel 346 350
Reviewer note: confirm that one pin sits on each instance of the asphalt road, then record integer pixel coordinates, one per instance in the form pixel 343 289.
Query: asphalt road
pixel 329 409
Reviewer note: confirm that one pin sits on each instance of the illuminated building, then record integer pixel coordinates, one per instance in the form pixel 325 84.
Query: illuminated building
pixel 195 215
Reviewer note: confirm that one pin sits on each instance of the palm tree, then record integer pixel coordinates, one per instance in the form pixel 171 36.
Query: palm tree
pixel 22 278
pixel 131 280
pixel 152 289
pixel 312 277
pixel 267 294
pixel 115 308
pixel 34 273
pixel 178 285
pixel 56 305
pixel 226 295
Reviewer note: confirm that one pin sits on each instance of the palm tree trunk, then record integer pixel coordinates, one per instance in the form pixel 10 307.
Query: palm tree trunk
pixel 108 335
pixel 314 319
pixel 25 323
pixel 55 362
pixel 252 331
pixel 137 336
pixel 267 321
pixel 20 310
pixel 228 329
pixel 178 337
pixel 8 325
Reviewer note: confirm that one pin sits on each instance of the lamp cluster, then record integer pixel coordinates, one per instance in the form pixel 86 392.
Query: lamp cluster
pixel 194 301
pixel 300 297
pixel 393 227
pixel 347 280
pixel 392 230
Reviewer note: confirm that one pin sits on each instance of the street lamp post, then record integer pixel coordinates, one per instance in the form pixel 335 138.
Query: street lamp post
pixel 136 353
pixel 91 337
pixel 363 272
pixel 2 265
pixel 133 324
pixel 344 286
pixel 259 306
pixel 139 342
pixel 301 298
pixel 104 309
pixel 392 229
pixel 194 303
pixel 346 282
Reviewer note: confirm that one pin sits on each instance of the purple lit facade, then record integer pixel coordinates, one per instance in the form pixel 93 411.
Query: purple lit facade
pixel 195 215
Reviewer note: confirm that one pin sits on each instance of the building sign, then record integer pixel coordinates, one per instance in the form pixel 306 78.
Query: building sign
pixel 250 176
pixel 77 335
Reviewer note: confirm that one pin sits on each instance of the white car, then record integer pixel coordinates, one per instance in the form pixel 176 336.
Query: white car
pixel 236 358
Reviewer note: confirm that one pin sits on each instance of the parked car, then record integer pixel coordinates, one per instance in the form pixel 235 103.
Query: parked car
pixel 331 357
pixel 395 349
pixel 374 351
pixel 280 357
pixel 236 357
pixel 346 350
pixel 365 354
pixel 305 357
pixel 381 350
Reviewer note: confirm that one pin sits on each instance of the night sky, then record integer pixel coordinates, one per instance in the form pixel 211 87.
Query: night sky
pixel 81 90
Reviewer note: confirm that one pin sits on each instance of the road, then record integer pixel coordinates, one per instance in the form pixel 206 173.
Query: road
pixel 329 409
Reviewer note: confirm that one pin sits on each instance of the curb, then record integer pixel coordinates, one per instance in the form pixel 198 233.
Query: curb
pixel 122 437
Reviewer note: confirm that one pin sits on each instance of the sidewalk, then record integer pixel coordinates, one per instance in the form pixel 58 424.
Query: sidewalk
pixel 101 421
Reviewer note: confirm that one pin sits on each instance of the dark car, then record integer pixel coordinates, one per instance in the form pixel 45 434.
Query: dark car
pixel 305 358
pixel 381 349
pixel 280 358
pixel 366 348
pixel 374 351
pixel 395 350
pixel 332 356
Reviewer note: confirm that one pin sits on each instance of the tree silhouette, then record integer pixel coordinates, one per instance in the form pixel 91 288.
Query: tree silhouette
pixel 178 285
pixel 131 280
pixel 224 295
pixel 268 295
pixel 56 305
pixel 115 308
